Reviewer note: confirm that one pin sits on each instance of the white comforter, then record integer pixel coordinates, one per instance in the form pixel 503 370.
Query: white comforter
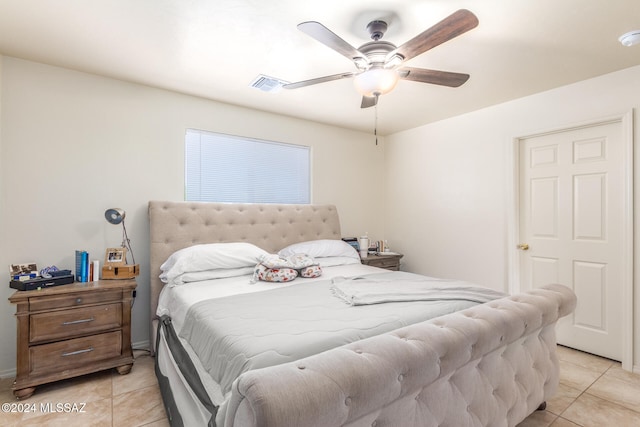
pixel 235 334
pixel 175 301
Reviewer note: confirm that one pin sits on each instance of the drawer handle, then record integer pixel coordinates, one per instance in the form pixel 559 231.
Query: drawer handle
pixel 78 300
pixel 73 353
pixel 75 322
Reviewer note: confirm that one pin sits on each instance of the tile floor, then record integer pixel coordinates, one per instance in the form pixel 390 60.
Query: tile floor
pixel 593 392
pixel 111 400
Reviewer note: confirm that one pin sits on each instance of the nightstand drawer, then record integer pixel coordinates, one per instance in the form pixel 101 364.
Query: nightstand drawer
pixel 58 356
pixel 73 300
pixel 78 321
pixel 386 261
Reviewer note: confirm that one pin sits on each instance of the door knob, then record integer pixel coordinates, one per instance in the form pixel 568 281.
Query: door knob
pixel 523 246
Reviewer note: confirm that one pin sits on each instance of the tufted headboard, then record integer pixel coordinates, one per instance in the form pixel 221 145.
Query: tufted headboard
pixel 176 225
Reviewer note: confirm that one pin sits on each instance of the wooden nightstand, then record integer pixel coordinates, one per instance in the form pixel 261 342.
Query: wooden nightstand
pixel 70 330
pixel 387 261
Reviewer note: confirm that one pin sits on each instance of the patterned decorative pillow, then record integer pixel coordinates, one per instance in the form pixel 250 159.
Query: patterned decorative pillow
pixel 262 272
pixel 311 272
pixel 295 261
pixel 274 261
pixel 299 261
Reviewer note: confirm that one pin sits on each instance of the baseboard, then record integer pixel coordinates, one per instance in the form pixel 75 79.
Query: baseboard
pixel 9 373
pixel 140 345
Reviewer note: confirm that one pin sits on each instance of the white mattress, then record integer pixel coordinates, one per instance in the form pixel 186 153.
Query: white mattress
pixel 175 301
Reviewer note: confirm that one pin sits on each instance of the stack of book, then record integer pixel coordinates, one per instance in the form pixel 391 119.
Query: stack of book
pixel 85 269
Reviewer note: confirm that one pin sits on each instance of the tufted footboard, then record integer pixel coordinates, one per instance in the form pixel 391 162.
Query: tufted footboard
pixel 489 365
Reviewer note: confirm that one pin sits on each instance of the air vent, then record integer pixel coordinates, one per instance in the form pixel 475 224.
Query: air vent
pixel 268 84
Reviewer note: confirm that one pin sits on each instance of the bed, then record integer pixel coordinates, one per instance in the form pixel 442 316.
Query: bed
pixel 473 363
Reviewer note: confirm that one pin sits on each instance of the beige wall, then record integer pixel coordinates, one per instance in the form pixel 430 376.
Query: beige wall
pixel 74 144
pixel 447 182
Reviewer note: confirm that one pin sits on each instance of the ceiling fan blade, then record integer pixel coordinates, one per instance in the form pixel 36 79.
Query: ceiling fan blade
pixel 315 81
pixel 368 101
pixel 450 27
pixel 330 39
pixel 442 78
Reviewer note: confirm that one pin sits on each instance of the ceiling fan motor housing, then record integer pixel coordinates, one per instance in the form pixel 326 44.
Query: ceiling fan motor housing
pixel 377 29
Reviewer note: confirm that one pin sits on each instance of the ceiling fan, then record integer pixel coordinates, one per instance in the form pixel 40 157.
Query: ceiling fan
pixel 379 62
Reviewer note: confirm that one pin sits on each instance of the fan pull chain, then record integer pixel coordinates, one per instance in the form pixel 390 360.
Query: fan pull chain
pixel 375 126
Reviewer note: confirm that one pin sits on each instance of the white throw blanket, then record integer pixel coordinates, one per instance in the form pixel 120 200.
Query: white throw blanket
pixel 376 288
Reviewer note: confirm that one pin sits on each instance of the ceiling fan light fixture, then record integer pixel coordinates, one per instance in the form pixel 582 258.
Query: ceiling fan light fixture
pixel 376 82
pixel 378 62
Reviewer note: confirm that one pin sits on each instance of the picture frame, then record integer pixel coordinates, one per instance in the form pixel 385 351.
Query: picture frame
pixel 115 257
pixel 26 269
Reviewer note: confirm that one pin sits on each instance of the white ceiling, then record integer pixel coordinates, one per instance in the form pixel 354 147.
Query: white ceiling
pixel 216 48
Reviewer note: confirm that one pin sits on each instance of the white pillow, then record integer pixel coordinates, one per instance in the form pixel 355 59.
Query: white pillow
pixel 220 273
pixel 211 256
pixel 321 249
pixel 332 261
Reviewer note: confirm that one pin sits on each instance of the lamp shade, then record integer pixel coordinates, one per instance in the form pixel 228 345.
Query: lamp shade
pixel 114 215
pixel 376 81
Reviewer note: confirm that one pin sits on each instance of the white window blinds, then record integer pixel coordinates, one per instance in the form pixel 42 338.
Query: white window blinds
pixel 224 168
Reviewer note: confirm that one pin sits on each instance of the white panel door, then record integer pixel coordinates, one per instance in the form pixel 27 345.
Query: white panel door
pixel 571 216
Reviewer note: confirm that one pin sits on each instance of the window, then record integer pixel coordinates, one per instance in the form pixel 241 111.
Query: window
pixel 224 168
